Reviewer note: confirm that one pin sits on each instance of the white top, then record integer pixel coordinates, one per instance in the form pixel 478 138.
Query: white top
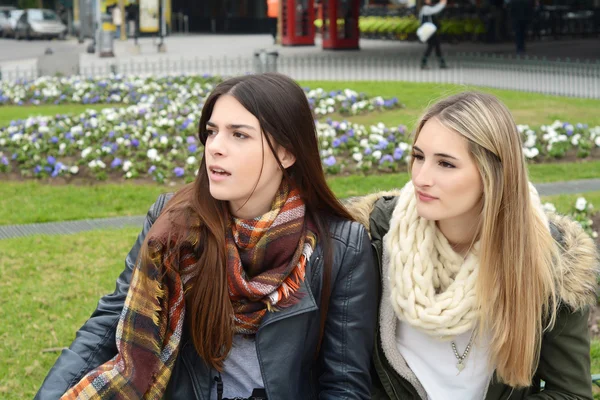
pixel 431 10
pixel 241 370
pixel 434 363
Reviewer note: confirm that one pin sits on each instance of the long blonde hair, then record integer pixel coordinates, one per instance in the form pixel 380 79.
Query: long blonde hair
pixel 516 287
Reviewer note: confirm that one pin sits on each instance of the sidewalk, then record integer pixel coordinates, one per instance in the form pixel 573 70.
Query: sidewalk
pixel 71 227
pixel 205 46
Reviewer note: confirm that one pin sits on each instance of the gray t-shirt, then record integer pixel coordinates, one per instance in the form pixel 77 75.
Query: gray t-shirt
pixel 241 372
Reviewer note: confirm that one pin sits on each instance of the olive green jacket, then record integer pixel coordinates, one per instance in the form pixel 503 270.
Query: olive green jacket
pixel 564 365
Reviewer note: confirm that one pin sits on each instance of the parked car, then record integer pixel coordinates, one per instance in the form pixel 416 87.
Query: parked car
pixel 8 28
pixel 40 23
pixel 3 22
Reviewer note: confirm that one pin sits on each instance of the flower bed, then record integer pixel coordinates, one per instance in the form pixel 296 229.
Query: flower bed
pixel 157 136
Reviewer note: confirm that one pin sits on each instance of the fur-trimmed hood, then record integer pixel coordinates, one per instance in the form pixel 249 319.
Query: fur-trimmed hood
pixel 580 262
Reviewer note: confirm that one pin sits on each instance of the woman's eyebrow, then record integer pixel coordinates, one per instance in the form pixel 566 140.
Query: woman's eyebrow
pixel 232 126
pixel 437 154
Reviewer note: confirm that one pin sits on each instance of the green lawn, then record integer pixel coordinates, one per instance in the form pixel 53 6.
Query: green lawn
pixel 34 202
pixel 49 287
pixel 9 113
pixel 527 108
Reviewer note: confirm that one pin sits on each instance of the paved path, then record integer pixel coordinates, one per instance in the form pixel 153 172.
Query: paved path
pixel 70 227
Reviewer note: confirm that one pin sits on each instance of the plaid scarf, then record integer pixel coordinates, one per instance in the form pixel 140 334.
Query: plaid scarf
pixel 266 259
pixel 150 327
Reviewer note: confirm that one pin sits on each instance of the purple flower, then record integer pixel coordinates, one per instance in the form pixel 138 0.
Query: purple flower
pixel 191 139
pixel 111 134
pixel 54 139
pixel 329 161
pixel 179 172
pixel 51 160
pixel 4 160
pixel 116 163
pixel 37 169
pixel 57 169
pixel 344 139
pixel 350 132
pixel 368 151
pixel 398 153
pixel 336 142
pixel 335 124
pixel 401 128
pixel 386 158
pixel 151 170
pixel 382 144
pixel 391 138
pixel 192 148
pixel 135 142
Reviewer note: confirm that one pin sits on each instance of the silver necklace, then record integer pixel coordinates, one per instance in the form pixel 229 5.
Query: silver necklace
pixel 460 365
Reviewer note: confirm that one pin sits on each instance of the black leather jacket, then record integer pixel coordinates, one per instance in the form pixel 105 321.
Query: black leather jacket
pixel 286 341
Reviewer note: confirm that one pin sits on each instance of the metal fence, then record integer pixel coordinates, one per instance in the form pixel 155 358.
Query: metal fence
pixel 530 74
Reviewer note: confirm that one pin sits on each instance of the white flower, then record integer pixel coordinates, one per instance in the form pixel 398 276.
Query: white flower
pixel 403 146
pixel 594 234
pixel 377 154
pixel 549 207
pixel 164 139
pixel 74 169
pixel 101 164
pixel 191 160
pixel 580 204
pixel 597 141
pixel 92 164
pixel 575 139
pixel 127 165
pixel 531 153
pixel 128 175
pixel 152 154
pixel 120 140
pixel 357 156
pixel 86 152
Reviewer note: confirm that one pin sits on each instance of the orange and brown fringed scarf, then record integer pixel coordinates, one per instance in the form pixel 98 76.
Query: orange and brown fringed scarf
pixel 266 260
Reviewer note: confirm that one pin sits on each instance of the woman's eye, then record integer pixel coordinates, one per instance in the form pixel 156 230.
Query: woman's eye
pixel 240 135
pixel 210 132
pixel 417 156
pixel 446 164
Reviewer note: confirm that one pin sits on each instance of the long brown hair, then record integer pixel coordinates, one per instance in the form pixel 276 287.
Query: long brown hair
pixel 286 120
pixel 516 284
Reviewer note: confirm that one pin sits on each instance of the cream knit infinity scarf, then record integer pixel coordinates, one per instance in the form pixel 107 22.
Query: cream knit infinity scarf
pixel 431 287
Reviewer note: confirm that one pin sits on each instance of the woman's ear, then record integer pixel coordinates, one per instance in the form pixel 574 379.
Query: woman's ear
pixel 286 158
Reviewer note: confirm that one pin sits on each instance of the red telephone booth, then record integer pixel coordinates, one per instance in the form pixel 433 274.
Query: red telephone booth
pixel 297 23
pixel 340 24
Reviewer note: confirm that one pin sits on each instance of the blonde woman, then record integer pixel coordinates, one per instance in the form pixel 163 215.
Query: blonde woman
pixel 484 296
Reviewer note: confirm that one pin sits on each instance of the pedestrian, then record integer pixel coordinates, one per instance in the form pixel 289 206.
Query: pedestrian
pixel 117 19
pixel 429 13
pixel 521 13
pixel 252 282
pixel 484 294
